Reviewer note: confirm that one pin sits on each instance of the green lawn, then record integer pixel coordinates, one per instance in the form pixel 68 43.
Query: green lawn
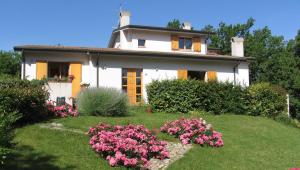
pixel 250 143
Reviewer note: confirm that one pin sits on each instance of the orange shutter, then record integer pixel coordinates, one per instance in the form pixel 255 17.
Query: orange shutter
pixel 131 85
pixel 41 70
pixel 175 43
pixel 182 74
pixel 197 44
pixel 211 75
pixel 75 70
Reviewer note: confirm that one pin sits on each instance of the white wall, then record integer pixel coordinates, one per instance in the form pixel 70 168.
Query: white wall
pixel 155 41
pixel 243 74
pixel 57 89
pixel 110 77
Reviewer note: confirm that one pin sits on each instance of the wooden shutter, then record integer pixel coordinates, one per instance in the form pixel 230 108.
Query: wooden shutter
pixel 182 74
pixel 76 71
pixel 175 43
pixel 211 76
pixel 41 70
pixel 197 44
pixel 131 85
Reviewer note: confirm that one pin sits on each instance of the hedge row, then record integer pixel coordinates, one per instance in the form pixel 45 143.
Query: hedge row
pixel 217 98
pixel 24 97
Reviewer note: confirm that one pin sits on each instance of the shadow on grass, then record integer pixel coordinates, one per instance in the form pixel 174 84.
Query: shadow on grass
pixel 25 158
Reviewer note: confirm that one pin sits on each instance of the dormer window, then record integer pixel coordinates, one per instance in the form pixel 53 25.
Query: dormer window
pixel 141 43
pixel 185 43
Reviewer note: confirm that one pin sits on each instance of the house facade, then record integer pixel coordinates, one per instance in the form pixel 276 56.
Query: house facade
pixel 135 56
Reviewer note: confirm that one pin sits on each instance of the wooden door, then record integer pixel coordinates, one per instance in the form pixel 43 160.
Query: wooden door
pixel 132 84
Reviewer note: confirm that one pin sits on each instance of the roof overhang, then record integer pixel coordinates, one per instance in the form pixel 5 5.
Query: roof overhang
pixel 115 51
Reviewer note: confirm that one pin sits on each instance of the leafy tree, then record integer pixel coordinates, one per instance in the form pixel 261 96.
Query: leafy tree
pixel 297 44
pixel 10 63
pixel 175 24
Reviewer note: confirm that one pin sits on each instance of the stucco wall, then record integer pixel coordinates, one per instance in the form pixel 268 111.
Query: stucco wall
pixel 60 90
pixel 154 41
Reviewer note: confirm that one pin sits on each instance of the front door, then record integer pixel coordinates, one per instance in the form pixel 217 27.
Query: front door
pixel 132 84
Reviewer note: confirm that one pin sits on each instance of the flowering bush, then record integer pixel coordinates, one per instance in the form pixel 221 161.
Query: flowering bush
pixel 193 131
pixel 61 111
pixel 130 146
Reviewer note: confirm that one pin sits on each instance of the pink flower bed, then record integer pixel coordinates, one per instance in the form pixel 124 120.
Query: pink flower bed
pixel 129 146
pixel 193 131
pixel 61 111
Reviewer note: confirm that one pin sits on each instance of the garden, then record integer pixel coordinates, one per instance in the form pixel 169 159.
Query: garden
pixel 187 124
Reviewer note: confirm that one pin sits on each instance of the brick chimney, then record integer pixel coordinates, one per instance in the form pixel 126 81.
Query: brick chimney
pixel 237 46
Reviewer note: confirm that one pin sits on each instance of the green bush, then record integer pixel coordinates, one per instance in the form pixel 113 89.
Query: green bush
pixel 102 102
pixel 187 95
pixel 217 98
pixel 24 97
pixel 6 134
pixel 266 100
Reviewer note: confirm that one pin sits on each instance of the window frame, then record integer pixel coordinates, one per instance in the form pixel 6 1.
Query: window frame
pixel 61 77
pixel 184 44
pixel 140 46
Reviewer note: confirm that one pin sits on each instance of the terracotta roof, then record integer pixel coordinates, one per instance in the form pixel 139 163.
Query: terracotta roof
pixel 116 51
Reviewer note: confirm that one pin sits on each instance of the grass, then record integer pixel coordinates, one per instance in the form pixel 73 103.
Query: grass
pixel 250 143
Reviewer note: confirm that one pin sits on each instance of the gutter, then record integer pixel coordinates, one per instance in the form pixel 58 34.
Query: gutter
pixel 97 65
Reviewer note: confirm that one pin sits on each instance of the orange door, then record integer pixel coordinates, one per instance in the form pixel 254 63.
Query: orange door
pixel 132 84
pixel 76 70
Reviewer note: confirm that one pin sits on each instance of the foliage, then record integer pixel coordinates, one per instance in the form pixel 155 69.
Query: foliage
pixel 61 111
pixel 175 24
pixel 102 101
pixel 269 52
pixel 129 146
pixel 193 131
pixel 24 97
pixel 10 63
pixel 266 100
pixel 6 134
pixel 218 98
pixel 187 95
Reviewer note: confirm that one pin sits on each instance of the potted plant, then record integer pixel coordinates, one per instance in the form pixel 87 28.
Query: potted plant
pixel 71 78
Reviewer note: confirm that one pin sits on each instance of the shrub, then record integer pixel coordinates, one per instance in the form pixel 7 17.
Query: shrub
pixel 102 101
pixel 193 131
pixel 61 111
pixel 25 97
pixel 6 134
pixel 218 98
pixel 130 146
pixel 266 100
pixel 187 95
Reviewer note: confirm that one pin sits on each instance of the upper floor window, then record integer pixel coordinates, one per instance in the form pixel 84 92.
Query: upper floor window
pixel 185 43
pixel 141 42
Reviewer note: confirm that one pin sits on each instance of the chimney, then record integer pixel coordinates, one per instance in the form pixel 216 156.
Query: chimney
pixel 124 18
pixel 187 26
pixel 237 46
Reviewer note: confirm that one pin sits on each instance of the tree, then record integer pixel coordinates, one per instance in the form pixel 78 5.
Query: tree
pixel 175 24
pixel 297 44
pixel 10 63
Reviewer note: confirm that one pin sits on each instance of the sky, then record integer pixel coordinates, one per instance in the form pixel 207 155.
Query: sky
pixel 90 22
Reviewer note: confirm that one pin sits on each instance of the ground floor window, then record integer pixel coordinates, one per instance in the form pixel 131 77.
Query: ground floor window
pixel 197 75
pixel 58 70
pixel 132 84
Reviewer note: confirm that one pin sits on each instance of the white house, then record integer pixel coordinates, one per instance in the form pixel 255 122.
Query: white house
pixel 135 56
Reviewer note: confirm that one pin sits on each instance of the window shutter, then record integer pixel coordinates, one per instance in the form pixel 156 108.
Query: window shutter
pixel 211 76
pixel 182 74
pixel 41 70
pixel 76 70
pixel 197 44
pixel 175 43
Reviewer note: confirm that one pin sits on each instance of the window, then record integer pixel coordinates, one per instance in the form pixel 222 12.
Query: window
pixel 58 71
pixel 141 43
pixel 197 75
pixel 185 43
pixel 138 85
pixel 124 80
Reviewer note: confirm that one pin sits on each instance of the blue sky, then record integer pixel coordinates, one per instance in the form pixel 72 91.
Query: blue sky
pixel 90 22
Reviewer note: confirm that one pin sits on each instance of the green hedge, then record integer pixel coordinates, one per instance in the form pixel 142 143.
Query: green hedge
pixel 24 97
pixel 217 98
